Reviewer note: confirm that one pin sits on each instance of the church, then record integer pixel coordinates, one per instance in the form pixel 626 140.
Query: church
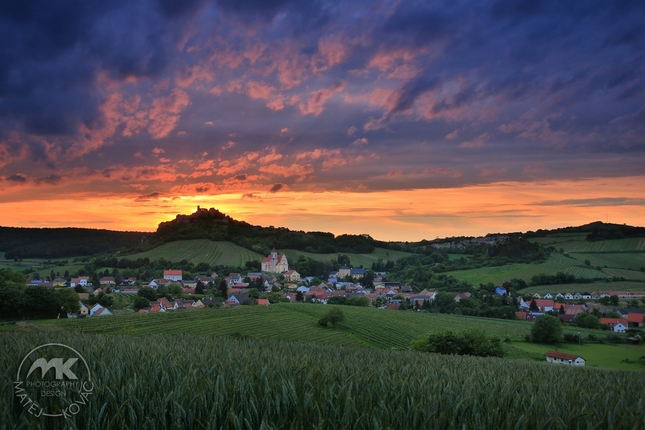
pixel 275 263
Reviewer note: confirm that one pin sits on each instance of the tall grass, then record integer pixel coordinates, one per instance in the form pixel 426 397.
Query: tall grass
pixel 179 381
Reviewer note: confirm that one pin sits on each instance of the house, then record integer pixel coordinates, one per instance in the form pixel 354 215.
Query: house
pixel 563 358
pixel 173 275
pixel 357 273
pixel 165 304
pixel 291 276
pixel 575 309
pixel 543 305
pixel 275 263
pixel 234 278
pixel 459 297
pixel 83 281
pixel 566 318
pixel 263 302
pixel 548 296
pixel 526 316
pixel 557 306
pixel 99 311
pixel 393 306
pixel 568 296
pixel 107 280
pixel 618 325
pixel 577 296
pixel 500 290
pixel 344 271
pixel 635 319
pixel 59 282
pixel 84 311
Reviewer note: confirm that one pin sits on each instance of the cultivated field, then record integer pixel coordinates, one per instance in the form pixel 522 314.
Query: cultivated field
pixel 364 260
pixel 181 381
pixel 200 251
pixel 365 327
pixel 590 288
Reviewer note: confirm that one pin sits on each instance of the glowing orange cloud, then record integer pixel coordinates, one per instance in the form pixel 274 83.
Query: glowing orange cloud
pixel 392 215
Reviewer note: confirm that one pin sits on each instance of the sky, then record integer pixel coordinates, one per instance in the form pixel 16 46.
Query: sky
pixel 405 120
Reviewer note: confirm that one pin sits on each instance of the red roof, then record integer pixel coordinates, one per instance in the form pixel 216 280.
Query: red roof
pixel 635 318
pixel 172 272
pixel 540 302
pixel 263 302
pixel 613 321
pixel 562 355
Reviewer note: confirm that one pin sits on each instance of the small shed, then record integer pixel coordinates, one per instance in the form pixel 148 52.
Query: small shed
pixel 633 341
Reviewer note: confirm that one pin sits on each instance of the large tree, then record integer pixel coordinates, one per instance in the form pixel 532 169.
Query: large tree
pixel 546 329
pixel 68 300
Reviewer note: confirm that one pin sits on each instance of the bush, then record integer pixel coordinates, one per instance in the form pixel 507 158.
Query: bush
pixel 570 338
pixel 332 316
pixel 468 342
pixel 546 329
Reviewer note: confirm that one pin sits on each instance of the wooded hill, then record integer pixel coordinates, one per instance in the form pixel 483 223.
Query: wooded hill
pixel 50 243
pixel 214 225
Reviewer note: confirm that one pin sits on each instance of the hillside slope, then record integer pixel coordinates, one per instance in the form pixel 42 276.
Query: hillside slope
pixel 200 251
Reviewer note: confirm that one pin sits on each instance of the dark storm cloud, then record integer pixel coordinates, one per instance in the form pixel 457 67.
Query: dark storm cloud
pixel 411 90
pixel 17 177
pixel 601 201
pixel 52 51
pixel 276 187
pixel 482 86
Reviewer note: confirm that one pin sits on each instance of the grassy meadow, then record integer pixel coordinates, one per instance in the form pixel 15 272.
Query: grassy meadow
pixel 357 260
pixel 200 251
pixel 608 259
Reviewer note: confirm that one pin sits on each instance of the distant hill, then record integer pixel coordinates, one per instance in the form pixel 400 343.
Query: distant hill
pixel 595 231
pixel 20 243
pixel 214 225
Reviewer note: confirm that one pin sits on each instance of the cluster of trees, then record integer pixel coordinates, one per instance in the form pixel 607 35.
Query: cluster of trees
pixel 558 278
pixel 19 301
pixel 468 342
pixel 333 316
pixel 21 243
pixel 351 301
pixel 481 303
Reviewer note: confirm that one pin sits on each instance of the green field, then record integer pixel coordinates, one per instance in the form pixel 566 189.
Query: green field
pixel 609 356
pixel 366 327
pixel 556 263
pixel 575 242
pixel 357 260
pixel 200 251
pixel 204 382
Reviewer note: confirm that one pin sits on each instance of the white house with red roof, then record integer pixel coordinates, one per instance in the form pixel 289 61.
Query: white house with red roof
pixel 83 281
pixel 275 263
pixel 564 358
pixel 618 325
pixel 173 275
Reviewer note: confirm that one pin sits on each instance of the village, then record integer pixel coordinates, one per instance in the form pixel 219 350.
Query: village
pixel 276 282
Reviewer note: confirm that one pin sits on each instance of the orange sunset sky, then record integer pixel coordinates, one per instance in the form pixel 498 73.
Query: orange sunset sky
pixel 402 120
